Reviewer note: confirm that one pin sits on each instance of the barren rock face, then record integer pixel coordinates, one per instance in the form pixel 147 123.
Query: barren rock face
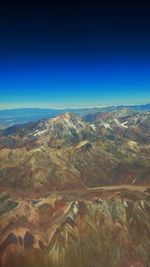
pixel 74 192
pixel 68 153
pixel 94 229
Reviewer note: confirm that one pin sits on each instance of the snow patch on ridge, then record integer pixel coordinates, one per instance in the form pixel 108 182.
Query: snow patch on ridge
pixel 106 125
pixel 121 124
pixel 93 127
pixel 40 132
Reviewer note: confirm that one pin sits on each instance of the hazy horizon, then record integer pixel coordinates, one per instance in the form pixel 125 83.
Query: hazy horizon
pixel 26 106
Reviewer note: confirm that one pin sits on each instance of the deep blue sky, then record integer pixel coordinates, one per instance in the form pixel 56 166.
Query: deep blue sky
pixel 70 55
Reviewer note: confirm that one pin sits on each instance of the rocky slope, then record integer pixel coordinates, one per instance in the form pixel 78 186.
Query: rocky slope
pixel 67 152
pixel 97 229
pixel 53 209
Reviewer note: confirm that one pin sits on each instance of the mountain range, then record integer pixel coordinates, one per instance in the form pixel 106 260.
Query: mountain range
pixel 9 117
pixel 74 190
pixel 68 151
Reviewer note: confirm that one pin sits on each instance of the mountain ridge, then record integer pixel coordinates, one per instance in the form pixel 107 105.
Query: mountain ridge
pixel 11 117
pixel 74 191
pixel 73 152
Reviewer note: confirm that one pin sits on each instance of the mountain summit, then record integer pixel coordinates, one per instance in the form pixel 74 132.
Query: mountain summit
pixel 73 185
pixel 69 152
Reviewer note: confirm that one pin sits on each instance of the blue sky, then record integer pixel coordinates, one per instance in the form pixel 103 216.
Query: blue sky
pixel 74 54
pixel 74 82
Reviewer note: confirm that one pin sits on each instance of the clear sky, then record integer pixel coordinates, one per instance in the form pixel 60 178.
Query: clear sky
pixel 60 56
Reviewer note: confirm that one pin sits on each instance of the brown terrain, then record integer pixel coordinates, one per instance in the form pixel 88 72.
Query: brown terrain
pixel 74 192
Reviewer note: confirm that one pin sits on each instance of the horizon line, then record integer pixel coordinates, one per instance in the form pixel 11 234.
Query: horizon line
pixel 72 107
